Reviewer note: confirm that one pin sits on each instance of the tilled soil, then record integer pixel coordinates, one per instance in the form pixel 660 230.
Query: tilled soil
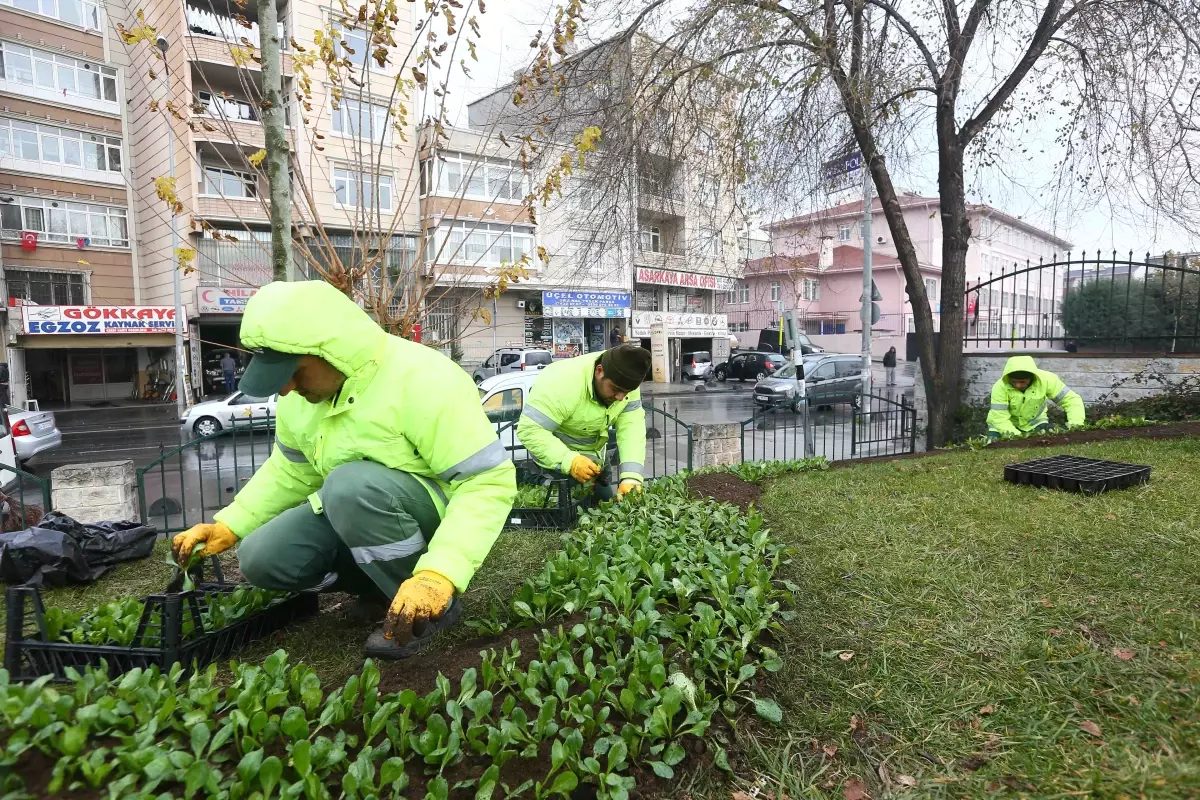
pixel 1169 430
pixel 726 488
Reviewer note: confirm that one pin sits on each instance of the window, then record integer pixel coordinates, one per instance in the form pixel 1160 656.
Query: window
pixel 810 289
pixel 538 358
pixel 84 13
pixel 706 191
pixel 353 46
pixel 508 359
pixel 222 106
pixel 354 189
pixel 847 368
pixel 710 242
pixel 228 183
pixel 47 287
pixel 651 240
pixel 862 230
pixel 843 233
pixel 481 244
pixel 739 327
pixel 823 372
pixel 362 121
pixel 64 222
pixel 60 74
pixel 481 179
pixel 931 289
pixel 774 291
pixel 505 405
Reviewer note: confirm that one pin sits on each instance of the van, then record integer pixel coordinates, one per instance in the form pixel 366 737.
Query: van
pixel 503 398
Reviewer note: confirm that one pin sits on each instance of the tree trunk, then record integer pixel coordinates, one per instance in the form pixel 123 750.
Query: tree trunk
pixel 956 237
pixel 278 149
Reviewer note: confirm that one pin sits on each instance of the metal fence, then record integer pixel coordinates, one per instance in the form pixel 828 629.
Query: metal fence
pixel 24 498
pixel 1105 301
pixel 878 426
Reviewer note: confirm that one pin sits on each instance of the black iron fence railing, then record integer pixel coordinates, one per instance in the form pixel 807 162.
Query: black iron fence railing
pixel 1104 302
pixel 859 427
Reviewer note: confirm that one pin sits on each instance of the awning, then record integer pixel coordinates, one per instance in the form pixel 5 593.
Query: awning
pixel 94 341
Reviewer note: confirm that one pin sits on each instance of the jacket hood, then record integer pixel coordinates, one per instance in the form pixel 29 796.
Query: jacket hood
pixel 1020 364
pixel 311 318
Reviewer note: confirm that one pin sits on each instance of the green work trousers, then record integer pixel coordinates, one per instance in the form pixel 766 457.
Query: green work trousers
pixel 374 524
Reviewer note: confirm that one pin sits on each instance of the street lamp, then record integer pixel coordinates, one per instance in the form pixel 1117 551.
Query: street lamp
pixel 180 382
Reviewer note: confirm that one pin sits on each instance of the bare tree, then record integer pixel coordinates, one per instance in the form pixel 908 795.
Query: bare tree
pixel 962 82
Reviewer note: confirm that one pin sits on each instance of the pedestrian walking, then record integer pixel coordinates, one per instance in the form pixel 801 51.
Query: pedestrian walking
pixel 229 372
pixel 889 363
pixel 614 337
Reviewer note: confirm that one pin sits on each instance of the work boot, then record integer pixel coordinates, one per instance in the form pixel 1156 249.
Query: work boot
pixel 382 648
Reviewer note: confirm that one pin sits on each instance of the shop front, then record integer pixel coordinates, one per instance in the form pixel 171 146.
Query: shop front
pixel 689 307
pixel 685 333
pixel 583 322
pixel 88 355
pixel 220 320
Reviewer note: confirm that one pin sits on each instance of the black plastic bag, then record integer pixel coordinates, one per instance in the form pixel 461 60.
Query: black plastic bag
pixel 61 551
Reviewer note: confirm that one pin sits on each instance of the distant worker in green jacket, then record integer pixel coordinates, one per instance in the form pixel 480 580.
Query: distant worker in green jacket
pixel 564 424
pixel 385 469
pixel 1021 396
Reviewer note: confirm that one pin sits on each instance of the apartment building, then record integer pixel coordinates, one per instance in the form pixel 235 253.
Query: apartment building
pixel 826 290
pixel 78 328
pixel 644 236
pixel 354 171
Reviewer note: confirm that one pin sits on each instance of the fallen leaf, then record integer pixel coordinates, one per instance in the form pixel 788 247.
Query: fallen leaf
pixel 830 750
pixel 1055 631
pixel 741 796
pixel 1090 727
pixel 1110 516
pixel 1044 601
pixel 975 724
pixel 846 655
pixel 856 724
pixel 1123 654
pixel 1133 701
pixel 855 789
pixel 907 781
pixel 987 710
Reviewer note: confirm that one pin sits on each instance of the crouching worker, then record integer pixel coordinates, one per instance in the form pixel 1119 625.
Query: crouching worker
pixel 564 424
pixel 1021 396
pixel 385 469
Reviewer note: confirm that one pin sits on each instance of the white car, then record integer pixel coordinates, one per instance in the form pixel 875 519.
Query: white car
pixel 503 397
pixel 32 432
pixel 214 416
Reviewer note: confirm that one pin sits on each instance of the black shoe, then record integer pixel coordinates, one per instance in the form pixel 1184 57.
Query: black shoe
pixel 387 649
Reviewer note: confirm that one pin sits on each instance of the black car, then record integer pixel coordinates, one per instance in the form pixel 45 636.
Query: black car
pixel 753 364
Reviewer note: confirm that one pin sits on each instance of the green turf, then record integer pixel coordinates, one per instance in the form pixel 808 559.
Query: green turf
pixel 962 634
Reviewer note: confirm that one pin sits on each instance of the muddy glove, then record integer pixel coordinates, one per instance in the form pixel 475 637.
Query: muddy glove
pixel 217 538
pixel 583 469
pixel 627 486
pixel 423 597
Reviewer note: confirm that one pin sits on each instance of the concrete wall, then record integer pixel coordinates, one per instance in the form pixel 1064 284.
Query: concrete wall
pixel 1113 378
pixel 102 492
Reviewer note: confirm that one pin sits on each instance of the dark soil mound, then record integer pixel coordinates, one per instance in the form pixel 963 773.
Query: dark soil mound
pixel 725 488
pixel 1170 430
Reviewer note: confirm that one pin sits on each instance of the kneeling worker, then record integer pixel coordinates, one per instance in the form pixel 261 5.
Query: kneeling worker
pixel 385 469
pixel 1020 398
pixel 564 424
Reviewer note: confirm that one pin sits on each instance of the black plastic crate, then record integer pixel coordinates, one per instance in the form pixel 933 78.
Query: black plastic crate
pixel 1077 474
pixel 560 516
pixel 160 638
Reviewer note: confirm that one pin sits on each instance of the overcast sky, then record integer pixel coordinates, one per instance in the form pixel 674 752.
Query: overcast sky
pixel 1121 222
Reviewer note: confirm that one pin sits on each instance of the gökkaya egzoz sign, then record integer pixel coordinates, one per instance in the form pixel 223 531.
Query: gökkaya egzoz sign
pixel 98 319
pixel 688 280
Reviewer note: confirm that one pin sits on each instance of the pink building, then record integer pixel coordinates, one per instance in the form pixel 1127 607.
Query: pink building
pixel 829 299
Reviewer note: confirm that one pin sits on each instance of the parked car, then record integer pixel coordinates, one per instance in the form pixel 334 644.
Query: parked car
pixel 831 378
pixel 214 376
pixel 32 432
pixel 512 359
pixel 214 416
pixel 503 397
pixel 768 342
pixel 752 364
pixel 783 388
pixel 697 366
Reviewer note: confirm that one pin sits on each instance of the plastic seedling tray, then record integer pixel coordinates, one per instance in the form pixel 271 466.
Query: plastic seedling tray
pixel 1077 474
pixel 560 516
pixel 170 630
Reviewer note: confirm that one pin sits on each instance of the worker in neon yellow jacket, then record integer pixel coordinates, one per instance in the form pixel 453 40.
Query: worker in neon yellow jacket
pixel 385 469
pixel 1022 396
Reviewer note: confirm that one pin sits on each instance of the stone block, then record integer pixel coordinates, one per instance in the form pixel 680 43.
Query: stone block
pixel 98 492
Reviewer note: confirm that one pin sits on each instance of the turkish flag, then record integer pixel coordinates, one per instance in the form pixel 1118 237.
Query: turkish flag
pixel 29 240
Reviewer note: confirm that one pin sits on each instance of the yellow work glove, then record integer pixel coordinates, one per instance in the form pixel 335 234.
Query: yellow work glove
pixel 217 538
pixel 424 596
pixel 627 486
pixel 583 469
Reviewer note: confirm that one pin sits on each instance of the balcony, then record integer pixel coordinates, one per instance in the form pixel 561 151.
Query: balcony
pixel 243 263
pixel 666 258
pixel 659 199
pixel 234 208
pixel 211 36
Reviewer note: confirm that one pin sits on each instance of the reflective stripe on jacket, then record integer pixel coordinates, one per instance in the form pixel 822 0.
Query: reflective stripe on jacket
pixel 403 405
pixel 561 419
pixel 1012 412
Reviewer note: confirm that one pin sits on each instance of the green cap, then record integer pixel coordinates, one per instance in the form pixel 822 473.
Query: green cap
pixel 268 372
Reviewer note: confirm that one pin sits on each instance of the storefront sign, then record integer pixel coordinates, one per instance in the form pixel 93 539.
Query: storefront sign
pixel 658 352
pixel 681 326
pixel 568 338
pixel 586 304
pixel 98 319
pixel 223 301
pixel 690 280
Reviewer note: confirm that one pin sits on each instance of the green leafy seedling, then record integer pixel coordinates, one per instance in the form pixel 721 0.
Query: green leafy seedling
pixel 192 560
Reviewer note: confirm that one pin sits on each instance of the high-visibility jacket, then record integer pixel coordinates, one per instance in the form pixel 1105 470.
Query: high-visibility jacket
pixel 403 405
pixel 1013 412
pixel 561 419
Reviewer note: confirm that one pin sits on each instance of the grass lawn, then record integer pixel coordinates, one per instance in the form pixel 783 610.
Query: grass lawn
pixel 958 636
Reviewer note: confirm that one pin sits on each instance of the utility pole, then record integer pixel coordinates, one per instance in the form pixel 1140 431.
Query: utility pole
pixel 867 286
pixel 279 180
pixel 180 375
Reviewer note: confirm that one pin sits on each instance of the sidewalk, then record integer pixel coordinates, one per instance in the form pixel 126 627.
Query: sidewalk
pixel 656 389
